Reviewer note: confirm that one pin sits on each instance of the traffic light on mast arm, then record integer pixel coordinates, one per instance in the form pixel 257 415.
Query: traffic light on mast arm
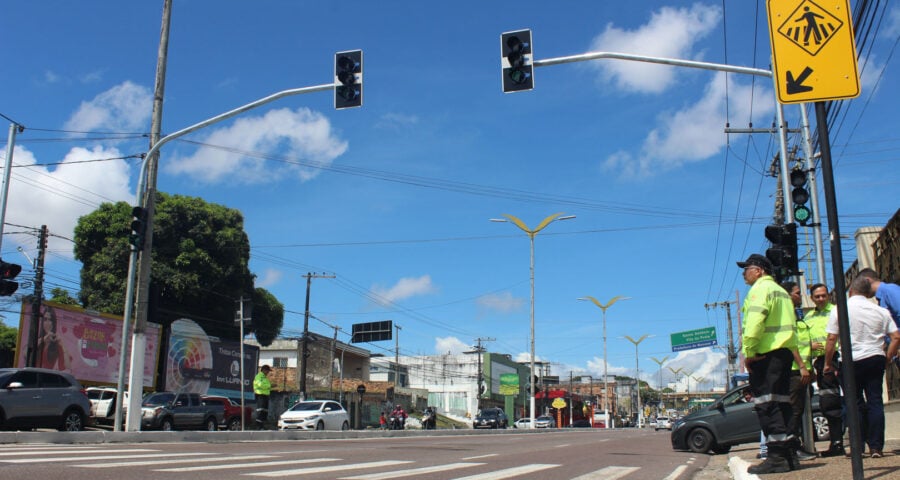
pixel 348 79
pixel 138 227
pixel 800 195
pixel 517 61
pixel 783 253
pixel 8 272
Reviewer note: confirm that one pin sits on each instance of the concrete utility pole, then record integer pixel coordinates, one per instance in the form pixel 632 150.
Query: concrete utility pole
pixel 479 350
pixel 38 299
pixel 397 355
pixel 304 349
pixel 732 352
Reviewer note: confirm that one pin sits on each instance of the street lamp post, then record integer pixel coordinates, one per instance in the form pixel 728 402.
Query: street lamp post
pixel 637 373
pixel 675 373
pixel 659 379
pixel 531 233
pixel 605 369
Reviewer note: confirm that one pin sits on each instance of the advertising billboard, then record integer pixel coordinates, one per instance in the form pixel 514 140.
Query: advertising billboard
pixel 84 343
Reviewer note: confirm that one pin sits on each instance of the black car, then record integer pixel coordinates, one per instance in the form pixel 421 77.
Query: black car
pixel 491 418
pixel 729 421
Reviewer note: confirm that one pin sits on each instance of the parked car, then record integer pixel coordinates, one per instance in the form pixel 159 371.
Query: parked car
pixel 103 404
pixel 580 423
pixel 729 421
pixel 545 421
pixel 41 398
pixel 663 423
pixel 491 418
pixel 184 411
pixel 315 415
pixel 232 417
pixel 652 424
pixel 523 423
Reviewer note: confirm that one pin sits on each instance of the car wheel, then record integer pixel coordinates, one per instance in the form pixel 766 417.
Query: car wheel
pixel 234 423
pixel 211 425
pixel 700 440
pixel 73 421
pixel 166 425
pixel 320 426
pixel 345 425
pixel 820 428
pixel 721 450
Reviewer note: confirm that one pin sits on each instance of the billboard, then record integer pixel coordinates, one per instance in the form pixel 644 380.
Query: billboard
pixel 84 343
pixel 198 363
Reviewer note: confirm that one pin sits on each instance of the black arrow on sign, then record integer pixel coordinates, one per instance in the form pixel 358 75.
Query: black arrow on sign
pixel 796 85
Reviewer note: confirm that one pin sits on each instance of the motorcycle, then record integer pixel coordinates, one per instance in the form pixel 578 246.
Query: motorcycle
pixel 396 423
pixel 428 420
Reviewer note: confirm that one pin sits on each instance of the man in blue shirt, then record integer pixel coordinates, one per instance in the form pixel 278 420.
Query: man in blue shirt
pixel 888 294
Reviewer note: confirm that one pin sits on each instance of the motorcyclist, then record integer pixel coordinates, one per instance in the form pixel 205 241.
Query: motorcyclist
pixel 399 415
pixel 429 421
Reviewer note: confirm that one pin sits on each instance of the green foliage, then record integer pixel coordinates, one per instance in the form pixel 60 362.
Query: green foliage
pixel 199 268
pixel 7 345
pixel 62 296
pixel 268 316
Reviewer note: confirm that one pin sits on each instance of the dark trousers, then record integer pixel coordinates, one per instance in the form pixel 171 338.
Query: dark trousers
pixel 262 408
pixel 830 400
pixel 798 403
pixel 770 382
pixel 869 377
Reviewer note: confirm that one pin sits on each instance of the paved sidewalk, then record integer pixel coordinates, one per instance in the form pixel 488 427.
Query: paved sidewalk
pixel 833 468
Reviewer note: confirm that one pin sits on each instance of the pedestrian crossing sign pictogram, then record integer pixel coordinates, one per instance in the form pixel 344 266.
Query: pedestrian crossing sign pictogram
pixel 813 50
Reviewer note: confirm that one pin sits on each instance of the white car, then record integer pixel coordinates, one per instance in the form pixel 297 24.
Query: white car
pixel 103 403
pixel 315 415
pixel 663 423
pixel 522 423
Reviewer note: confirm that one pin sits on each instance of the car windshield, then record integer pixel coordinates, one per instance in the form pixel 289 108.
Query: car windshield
pixel 489 413
pixel 306 407
pixel 543 417
pixel 157 399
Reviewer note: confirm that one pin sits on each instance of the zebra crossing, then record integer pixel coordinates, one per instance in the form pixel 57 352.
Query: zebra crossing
pixel 276 465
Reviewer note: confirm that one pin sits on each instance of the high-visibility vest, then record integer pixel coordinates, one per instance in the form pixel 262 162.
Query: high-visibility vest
pixel 817 321
pixel 261 384
pixel 769 318
pixel 804 345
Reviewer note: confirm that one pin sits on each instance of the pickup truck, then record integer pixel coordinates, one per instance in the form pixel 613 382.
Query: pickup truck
pixel 183 411
pixel 232 420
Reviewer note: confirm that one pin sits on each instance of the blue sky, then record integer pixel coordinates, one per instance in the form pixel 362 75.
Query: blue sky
pixel 394 198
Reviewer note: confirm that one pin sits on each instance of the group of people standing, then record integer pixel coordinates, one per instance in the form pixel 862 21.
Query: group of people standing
pixel 782 348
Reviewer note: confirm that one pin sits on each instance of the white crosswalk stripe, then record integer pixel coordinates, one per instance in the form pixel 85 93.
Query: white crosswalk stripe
pixel 608 473
pixel 509 472
pixel 70 451
pixel 101 457
pixel 246 465
pixel 144 463
pixel 335 468
pixel 412 472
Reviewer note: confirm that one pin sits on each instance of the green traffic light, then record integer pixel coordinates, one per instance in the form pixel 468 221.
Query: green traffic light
pixel 802 214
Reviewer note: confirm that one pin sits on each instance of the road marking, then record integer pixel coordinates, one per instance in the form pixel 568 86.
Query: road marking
pixel 335 468
pixel 564 445
pixel 100 457
pixel 676 473
pixel 608 473
pixel 73 450
pixel 509 472
pixel 247 465
pixel 412 472
pixel 140 463
pixel 481 456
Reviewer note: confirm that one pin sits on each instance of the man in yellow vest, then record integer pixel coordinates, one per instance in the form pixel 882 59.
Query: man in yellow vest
pixel 829 385
pixel 769 340
pixel 800 374
pixel 262 387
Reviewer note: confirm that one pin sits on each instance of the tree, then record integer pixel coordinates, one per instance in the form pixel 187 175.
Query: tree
pixel 199 268
pixel 268 316
pixel 61 295
pixel 7 345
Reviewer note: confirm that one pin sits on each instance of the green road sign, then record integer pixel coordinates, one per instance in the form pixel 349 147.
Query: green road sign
pixel 703 337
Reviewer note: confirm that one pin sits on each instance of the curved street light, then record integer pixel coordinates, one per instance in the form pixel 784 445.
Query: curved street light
pixel 531 233
pixel 605 374
pixel 637 374
pixel 659 362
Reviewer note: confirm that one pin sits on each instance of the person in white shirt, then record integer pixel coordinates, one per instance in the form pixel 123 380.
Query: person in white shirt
pixel 869 324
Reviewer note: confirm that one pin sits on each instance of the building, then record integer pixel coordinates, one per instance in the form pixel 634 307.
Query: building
pixel 329 361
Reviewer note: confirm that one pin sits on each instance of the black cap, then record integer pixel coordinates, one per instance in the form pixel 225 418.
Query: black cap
pixel 757 260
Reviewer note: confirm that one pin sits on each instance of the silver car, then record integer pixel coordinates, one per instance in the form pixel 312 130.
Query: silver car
pixel 41 398
pixel 545 421
pixel 315 415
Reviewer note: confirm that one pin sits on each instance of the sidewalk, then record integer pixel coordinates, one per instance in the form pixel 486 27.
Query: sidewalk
pixel 833 468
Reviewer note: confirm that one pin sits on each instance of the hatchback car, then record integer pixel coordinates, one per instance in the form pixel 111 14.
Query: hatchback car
pixel 545 421
pixel 41 398
pixel 522 423
pixel 491 418
pixel 315 415
pixel 663 423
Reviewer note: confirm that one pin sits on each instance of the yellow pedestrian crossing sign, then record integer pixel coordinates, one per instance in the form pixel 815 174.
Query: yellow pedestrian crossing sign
pixel 813 50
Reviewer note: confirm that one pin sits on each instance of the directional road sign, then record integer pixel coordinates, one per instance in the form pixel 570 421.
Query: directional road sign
pixel 703 337
pixel 813 50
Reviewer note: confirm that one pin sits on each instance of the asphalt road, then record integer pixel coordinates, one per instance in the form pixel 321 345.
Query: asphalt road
pixel 563 454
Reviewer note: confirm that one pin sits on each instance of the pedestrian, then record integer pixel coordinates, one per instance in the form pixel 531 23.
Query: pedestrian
pixel 888 294
pixel 868 324
pixel 382 421
pixel 769 341
pixel 800 374
pixel 262 387
pixel 830 401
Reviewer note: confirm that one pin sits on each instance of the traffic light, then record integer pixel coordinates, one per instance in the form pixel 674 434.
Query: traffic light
pixel 138 227
pixel 8 272
pixel 800 195
pixel 783 253
pixel 517 61
pixel 348 78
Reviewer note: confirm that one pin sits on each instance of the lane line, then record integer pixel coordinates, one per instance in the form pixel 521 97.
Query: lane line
pixel 481 456
pixel 608 473
pixel 676 473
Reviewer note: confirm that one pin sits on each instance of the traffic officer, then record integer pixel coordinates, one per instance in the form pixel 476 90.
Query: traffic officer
pixel 829 384
pixel 262 387
pixel 769 342
pixel 800 374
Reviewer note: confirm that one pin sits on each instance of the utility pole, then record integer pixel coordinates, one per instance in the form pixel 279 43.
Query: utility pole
pixel 304 349
pixel 37 299
pixel 732 352
pixel 479 349
pixel 331 370
pixel 397 356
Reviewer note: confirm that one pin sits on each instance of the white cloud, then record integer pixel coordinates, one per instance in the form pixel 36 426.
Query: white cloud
pixel 123 108
pixel 269 277
pixel 403 289
pixel 450 345
pixel 705 363
pixel 397 121
pixel 870 73
pixel 58 197
pixel 503 302
pixel 670 33
pixel 696 132
pixel 892 29
pixel 301 135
